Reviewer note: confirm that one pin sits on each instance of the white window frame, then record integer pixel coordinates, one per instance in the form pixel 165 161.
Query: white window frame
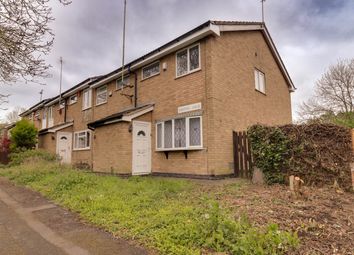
pixel 173 148
pixel 85 107
pixel 188 61
pixel 142 70
pixel 74 142
pixel 124 85
pixel 257 78
pixel 104 89
pixel 50 117
pixel 71 101
pixel 44 119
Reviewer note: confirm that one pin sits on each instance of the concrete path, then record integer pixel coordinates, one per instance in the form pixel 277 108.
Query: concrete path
pixel 30 224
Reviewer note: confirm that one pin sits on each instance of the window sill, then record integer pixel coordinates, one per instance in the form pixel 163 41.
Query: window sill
pixel 86 108
pixel 83 149
pixel 261 92
pixel 180 149
pixel 125 86
pixel 101 103
pixel 144 79
pixel 183 75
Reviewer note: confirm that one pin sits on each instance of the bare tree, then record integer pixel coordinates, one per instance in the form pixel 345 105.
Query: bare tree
pixel 13 116
pixel 25 38
pixel 334 92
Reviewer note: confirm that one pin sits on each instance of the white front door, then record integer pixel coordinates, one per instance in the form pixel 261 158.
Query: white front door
pixel 141 147
pixel 64 145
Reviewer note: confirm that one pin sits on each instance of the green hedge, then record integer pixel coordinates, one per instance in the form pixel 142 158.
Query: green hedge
pixel 270 148
pixel 320 154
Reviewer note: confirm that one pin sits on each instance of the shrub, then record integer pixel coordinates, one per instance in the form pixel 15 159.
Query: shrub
pixel 23 135
pixel 17 158
pixel 318 153
pixel 4 150
pixel 270 148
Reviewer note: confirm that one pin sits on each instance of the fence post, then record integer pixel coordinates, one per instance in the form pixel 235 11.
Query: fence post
pixel 236 154
pixel 352 164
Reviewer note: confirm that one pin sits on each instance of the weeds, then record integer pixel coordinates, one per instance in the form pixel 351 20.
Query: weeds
pixel 168 215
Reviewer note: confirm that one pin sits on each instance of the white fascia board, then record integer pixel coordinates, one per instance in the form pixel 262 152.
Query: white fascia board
pixel 30 111
pixel 53 130
pixel 279 60
pixel 50 103
pixel 226 28
pixel 70 93
pixel 211 29
pixel 230 28
pixel 108 79
pixel 129 118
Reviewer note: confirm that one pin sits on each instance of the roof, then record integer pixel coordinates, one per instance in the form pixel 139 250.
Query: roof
pixel 52 100
pixel 56 128
pixel 72 90
pixel 35 107
pixel 211 27
pixel 126 115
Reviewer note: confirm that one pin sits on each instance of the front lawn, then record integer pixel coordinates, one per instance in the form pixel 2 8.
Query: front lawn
pixel 171 216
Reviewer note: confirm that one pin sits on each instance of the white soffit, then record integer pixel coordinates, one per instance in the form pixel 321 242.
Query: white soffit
pixel 55 129
pixel 130 117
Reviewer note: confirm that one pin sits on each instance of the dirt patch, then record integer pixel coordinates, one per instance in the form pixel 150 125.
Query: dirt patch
pixel 323 218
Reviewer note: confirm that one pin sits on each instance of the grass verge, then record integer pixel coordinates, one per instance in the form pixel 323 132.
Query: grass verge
pixel 169 215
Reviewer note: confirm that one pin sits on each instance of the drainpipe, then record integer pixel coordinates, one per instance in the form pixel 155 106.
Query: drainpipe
pixel 64 110
pixel 135 90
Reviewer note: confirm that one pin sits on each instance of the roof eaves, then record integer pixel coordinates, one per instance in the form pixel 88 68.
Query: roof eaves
pixel 153 52
pixel 117 117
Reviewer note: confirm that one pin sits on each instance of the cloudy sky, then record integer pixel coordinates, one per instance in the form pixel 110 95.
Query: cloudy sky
pixel 310 35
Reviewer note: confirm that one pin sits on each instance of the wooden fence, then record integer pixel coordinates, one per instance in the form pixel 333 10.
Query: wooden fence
pixel 242 155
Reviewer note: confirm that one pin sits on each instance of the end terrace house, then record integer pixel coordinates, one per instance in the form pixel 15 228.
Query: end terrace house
pixel 173 110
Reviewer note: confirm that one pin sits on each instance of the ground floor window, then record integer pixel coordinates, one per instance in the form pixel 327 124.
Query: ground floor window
pixel 179 134
pixel 82 140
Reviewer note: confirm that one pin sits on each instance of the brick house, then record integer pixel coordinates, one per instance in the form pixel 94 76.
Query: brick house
pixel 172 110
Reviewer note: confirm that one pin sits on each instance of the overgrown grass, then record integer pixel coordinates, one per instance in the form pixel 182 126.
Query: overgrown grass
pixel 169 215
pixel 19 156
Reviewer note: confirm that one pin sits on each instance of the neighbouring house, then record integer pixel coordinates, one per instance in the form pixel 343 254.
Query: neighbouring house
pixel 173 110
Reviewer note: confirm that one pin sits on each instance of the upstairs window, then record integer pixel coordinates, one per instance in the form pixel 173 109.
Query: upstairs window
pixel 50 117
pixel 86 99
pixel 259 78
pixel 188 60
pixel 44 119
pixel 179 134
pixel 82 140
pixel 122 83
pixel 73 99
pixel 151 70
pixel 101 95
